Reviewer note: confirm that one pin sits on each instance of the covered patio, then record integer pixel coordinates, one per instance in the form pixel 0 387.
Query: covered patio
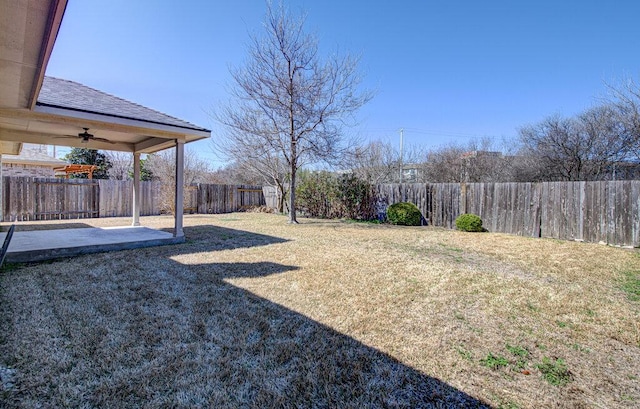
pixel 38 109
pixel 40 245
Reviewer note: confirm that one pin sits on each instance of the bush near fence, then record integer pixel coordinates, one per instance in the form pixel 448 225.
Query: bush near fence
pixel 604 211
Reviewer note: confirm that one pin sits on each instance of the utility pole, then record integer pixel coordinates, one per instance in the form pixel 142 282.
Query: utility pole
pixel 401 152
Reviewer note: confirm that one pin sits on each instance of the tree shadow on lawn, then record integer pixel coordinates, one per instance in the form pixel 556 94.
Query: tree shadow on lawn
pixel 212 238
pixel 152 332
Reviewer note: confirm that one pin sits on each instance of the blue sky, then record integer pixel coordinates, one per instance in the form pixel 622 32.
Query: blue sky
pixel 445 71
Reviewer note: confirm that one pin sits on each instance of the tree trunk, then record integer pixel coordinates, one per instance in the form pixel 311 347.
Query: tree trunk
pixel 281 197
pixel 292 190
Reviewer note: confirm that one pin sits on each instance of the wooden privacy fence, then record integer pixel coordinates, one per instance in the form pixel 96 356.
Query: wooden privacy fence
pixel 46 199
pixel 26 198
pixel 228 198
pixel 116 198
pixel 606 211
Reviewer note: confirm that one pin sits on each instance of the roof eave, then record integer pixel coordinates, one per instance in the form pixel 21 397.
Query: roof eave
pixel 54 21
pixel 32 162
pixel 163 130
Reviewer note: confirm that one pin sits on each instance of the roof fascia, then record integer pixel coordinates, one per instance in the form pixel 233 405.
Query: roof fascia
pixel 33 162
pixel 54 20
pixel 127 122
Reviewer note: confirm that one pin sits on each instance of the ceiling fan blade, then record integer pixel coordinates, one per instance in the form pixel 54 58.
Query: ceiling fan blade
pixel 102 140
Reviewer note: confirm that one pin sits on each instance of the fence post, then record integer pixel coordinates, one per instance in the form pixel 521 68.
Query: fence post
pixel 463 198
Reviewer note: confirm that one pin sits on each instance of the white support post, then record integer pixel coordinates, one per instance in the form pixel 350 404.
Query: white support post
pixel 179 205
pixel 136 190
pixel 1 191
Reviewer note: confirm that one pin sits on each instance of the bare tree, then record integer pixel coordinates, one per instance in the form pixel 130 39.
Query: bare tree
pixel 376 162
pixel 381 162
pixel 446 164
pixel 163 167
pixel 121 164
pixel 605 135
pixel 287 107
pixel 579 148
pixel 255 159
pixel 235 174
pixel 477 161
pixel 625 99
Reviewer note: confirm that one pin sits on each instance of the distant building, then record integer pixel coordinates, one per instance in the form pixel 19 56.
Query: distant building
pixel 481 154
pixel 33 161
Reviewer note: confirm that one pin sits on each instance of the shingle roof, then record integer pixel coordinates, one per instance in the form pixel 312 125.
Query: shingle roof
pixel 60 93
pixel 33 154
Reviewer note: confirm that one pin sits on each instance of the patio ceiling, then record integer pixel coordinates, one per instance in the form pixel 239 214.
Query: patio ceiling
pixel 42 110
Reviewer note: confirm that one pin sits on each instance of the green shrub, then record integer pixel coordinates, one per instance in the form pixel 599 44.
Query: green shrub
pixel 356 198
pixel 405 214
pixel 317 194
pixel 469 222
pixel 325 195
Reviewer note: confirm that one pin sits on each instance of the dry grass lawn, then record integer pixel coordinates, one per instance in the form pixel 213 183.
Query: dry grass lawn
pixel 253 312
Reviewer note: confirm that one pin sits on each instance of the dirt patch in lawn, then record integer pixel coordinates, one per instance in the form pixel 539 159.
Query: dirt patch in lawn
pixel 254 312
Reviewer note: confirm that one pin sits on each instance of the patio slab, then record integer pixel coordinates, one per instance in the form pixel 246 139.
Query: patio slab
pixel 40 245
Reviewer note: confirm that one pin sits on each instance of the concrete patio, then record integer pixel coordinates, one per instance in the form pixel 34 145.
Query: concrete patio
pixel 40 245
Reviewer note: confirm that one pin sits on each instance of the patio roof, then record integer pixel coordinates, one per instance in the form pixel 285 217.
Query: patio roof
pixel 53 111
pixel 64 108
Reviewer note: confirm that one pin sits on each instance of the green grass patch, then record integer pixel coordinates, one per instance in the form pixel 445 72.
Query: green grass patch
pixel 494 361
pixel 631 285
pixel 521 355
pixel 358 221
pixel 555 371
pixel 518 351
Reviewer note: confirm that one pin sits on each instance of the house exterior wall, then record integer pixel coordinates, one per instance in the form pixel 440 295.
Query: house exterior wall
pixel 12 169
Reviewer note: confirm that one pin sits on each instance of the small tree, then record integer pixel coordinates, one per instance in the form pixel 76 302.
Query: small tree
pixel 146 174
pixel 163 167
pixel 121 165
pixel 83 156
pixel 288 108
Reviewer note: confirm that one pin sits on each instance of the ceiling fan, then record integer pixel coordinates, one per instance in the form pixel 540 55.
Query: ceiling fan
pixel 86 137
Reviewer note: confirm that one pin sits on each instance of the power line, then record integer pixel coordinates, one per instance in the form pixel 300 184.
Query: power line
pixel 433 132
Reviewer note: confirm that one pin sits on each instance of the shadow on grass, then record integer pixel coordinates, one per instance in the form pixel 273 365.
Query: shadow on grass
pixel 148 331
pixel 216 238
